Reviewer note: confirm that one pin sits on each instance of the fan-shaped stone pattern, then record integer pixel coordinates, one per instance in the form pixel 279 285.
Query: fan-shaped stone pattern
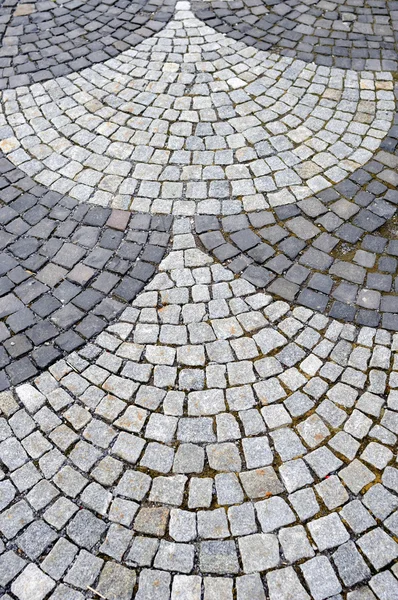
pixel 193 134
pixel 67 270
pixel 45 39
pixel 211 432
pixel 360 35
pixel 228 154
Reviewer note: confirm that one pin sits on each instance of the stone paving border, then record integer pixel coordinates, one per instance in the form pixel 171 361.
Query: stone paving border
pixel 360 35
pixel 66 271
pixel 46 38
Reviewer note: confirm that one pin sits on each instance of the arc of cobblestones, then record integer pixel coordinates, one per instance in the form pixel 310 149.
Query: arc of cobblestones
pixel 67 269
pixel 238 149
pixel 46 39
pixel 211 433
pixel 360 35
pixel 332 252
pixel 276 121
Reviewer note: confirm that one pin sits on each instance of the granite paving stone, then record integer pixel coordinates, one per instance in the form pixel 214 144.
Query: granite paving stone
pixel 198 300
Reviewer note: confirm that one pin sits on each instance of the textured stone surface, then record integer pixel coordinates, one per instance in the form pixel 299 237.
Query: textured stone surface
pixel 42 40
pixel 169 429
pixel 329 34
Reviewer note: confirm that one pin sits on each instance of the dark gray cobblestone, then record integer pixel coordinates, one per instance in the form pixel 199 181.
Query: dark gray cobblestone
pixel 66 270
pixel 348 35
pixel 50 38
pixel 331 252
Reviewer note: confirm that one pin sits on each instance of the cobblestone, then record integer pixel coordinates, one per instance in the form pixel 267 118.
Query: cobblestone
pixel 198 312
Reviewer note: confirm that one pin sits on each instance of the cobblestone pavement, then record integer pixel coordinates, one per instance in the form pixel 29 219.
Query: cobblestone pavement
pixel 198 301
pixel 345 34
pixel 67 271
pixel 51 38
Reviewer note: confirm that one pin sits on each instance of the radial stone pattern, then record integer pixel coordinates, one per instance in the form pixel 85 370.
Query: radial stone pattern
pixel 198 300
